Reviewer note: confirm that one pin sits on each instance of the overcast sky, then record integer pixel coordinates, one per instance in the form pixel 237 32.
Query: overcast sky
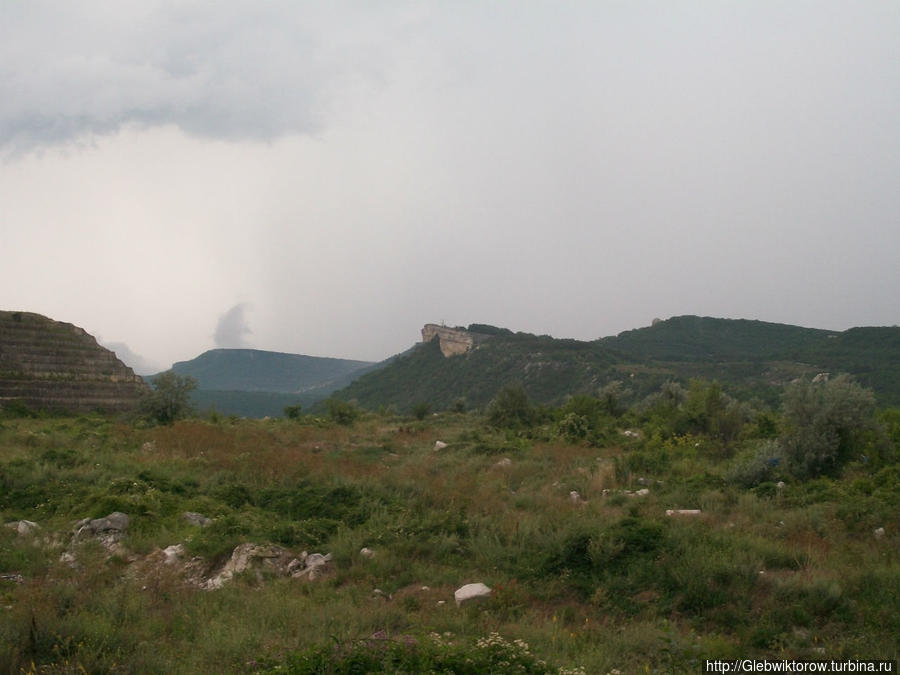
pixel 326 177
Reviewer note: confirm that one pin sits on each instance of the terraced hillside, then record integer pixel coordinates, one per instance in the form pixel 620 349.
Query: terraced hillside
pixel 50 365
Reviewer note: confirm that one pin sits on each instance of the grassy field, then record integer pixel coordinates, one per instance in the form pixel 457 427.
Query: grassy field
pixel 595 582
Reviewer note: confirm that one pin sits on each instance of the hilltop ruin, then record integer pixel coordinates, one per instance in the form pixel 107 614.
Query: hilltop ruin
pixel 453 341
pixel 55 366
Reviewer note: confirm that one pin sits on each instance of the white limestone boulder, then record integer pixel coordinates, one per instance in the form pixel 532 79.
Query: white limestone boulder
pixel 471 592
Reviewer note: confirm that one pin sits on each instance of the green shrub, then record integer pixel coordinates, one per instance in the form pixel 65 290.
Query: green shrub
pixel 421 410
pixel 408 654
pixel 170 398
pixel 573 427
pixel 825 423
pixel 342 412
pixel 17 408
pixel 756 465
pixel 511 409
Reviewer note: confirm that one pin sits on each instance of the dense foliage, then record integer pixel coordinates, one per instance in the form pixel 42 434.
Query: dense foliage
pixel 170 398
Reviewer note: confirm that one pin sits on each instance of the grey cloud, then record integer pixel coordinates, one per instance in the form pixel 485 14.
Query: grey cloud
pixel 224 70
pixel 232 328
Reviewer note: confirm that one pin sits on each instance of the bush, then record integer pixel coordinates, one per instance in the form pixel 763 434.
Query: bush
pixel 510 409
pixel 756 466
pixel 420 410
pixel 17 408
pixel 573 427
pixel 292 412
pixel 825 424
pixel 170 398
pixel 342 412
pixel 407 654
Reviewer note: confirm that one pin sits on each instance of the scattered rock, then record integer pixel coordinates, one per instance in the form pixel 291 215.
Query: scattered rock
pixel 643 492
pixel 15 578
pixel 197 519
pixel 471 592
pixel 439 445
pixel 506 461
pixel 23 527
pixel 441 602
pixel 149 446
pixel 631 433
pixel 314 566
pixel 378 593
pixel 366 552
pixel 683 512
pixel 254 557
pixel 114 522
pixel 879 533
pixel 108 531
pixel 780 485
pixel 173 553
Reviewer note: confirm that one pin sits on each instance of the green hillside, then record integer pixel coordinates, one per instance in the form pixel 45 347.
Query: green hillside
pixel 549 369
pixel 752 358
pixel 257 383
pixel 694 338
pixel 755 355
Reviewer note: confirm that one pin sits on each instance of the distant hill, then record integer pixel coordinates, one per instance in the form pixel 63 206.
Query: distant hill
pixel 694 338
pixel 751 358
pixel 257 383
pixel 549 369
pixel 258 370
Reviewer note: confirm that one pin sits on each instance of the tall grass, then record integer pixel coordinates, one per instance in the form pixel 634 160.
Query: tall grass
pixel 605 581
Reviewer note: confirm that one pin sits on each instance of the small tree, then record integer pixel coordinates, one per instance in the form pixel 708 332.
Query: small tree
pixel 510 408
pixel 825 423
pixel 421 409
pixel 342 412
pixel 170 398
pixel 612 395
pixel 293 411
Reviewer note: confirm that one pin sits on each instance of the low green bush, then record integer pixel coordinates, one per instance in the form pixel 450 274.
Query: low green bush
pixel 423 654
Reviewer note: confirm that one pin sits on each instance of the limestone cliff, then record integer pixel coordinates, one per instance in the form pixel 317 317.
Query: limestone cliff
pixel 454 341
pixel 56 366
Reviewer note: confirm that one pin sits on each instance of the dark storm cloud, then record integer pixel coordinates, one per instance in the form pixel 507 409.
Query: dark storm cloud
pixel 232 328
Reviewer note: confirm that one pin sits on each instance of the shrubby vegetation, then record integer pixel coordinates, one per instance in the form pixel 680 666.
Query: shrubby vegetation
pixel 561 511
pixel 293 412
pixel 170 398
pixel 342 412
pixel 825 423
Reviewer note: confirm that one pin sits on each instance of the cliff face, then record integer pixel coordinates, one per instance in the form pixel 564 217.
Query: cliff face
pixel 453 341
pixel 56 366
